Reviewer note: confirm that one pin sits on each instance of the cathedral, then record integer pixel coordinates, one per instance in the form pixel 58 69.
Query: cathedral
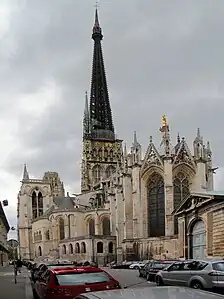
pixel 131 206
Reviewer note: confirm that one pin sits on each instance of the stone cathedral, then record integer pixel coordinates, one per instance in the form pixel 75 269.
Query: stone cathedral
pixel 131 206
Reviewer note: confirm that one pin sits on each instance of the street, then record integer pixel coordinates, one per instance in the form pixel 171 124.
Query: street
pixel 22 290
pixel 10 290
pixel 129 278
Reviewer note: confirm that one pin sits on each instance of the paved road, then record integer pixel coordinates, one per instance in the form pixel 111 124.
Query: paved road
pixel 128 278
pixel 10 290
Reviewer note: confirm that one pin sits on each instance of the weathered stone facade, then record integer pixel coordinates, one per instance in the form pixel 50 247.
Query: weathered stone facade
pixel 4 229
pixel 129 206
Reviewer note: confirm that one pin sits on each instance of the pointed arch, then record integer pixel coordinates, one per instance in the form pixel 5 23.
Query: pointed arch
pixel 106 226
pixel 181 189
pixel 109 171
pixel 70 248
pixel 110 247
pixel 99 247
pixel 34 205
pixel 91 227
pixel 156 206
pixel 77 248
pixel 83 247
pixel 40 204
pixel 39 251
pixel 96 173
pixel 64 249
pixel 61 223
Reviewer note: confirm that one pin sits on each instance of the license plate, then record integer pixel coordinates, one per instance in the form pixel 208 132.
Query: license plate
pixel 87 289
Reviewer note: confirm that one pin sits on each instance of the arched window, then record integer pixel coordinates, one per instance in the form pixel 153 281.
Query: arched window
pixel 40 204
pixel 111 247
pixel 39 251
pixel 39 236
pixel 99 247
pixel 47 235
pixel 63 249
pixel 83 247
pixel 34 204
pixel 181 191
pixel 77 248
pixel 70 223
pixel 91 227
pixel 96 173
pixel 70 249
pixel 61 229
pixel 156 206
pixel 106 226
pixel 109 171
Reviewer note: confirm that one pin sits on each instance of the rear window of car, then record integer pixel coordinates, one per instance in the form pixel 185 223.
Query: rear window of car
pixel 59 266
pixel 81 278
pixel 161 265
pixel 219 266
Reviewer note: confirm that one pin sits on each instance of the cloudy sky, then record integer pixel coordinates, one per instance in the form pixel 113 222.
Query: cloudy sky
pixel 161 57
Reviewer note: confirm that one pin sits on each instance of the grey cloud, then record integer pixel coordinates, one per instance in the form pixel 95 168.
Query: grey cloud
pixel 161 57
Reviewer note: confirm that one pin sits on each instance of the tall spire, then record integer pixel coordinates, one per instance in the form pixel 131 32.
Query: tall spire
pixel 25 173
pixel 101 123
pixel 86 118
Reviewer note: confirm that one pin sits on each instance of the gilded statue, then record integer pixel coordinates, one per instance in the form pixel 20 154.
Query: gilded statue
pixel 164 121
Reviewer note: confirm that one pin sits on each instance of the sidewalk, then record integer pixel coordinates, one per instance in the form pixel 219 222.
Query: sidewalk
pixel 21 290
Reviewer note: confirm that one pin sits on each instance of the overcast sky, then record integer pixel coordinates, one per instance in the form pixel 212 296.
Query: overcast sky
pixel 160 56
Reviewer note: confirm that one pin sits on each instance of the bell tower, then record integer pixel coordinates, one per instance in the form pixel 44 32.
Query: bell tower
pixel 102 151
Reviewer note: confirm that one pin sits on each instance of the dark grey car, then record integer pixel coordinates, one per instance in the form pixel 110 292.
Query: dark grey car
pixel 151 293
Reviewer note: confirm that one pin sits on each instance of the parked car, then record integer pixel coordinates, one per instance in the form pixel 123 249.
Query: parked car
pixel 151 293
pixel 155 266
pixel 70 282
pixel 38 270
pixel 142 269
pixel 196 274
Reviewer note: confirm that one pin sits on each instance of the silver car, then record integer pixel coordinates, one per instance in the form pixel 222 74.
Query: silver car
pixel 197 274
pixel 151 293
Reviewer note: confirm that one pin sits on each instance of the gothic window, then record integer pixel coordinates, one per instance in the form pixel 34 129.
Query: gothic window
pixel 83 247
pixel 47 235
pixel 156 206
pixel 63 249
pixel 40 204
pixel 39 251
pixel 70 222
pixel 77 248
pixel 109 171
pixel 96 173
pixel 34 204
pixel 110 247
pixel 70 249
pixel 61 229
pixel 181 191
pixel 99 247
pixel 106 226
pixel 91 227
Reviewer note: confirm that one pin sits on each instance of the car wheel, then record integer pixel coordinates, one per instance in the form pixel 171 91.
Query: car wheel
pixel 135 267
pixel 159 281
pixel 195 284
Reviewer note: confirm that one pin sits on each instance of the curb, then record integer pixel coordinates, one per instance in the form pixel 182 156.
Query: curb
pixel 28 288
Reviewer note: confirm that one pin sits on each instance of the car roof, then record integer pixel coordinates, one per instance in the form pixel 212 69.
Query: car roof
pixel 76 270
pixel 151 293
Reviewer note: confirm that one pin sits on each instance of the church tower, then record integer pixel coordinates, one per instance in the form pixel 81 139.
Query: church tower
pixel 102 151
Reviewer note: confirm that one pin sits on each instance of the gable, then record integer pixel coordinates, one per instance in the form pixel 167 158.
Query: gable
pixel 152 158
pixel 184 155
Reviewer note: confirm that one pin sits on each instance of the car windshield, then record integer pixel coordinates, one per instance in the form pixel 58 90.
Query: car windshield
pixel 219 266
pixel 82 278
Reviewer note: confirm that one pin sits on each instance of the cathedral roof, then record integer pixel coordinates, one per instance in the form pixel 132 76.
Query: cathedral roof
pixel 64 202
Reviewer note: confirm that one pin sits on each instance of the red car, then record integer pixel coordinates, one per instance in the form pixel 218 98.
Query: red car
pixel 67 283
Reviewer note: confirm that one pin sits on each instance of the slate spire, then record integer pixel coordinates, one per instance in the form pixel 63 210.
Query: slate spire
pixel 101 123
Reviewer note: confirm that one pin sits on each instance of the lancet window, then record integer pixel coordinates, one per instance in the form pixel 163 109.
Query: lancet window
pixel 96 173
pixel 37 204
pixel 156 206
pixel 181 191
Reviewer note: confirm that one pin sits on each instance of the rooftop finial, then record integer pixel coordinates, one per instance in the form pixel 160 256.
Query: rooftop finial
pixel 25 173
pixel 96 26
pixel 178 137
